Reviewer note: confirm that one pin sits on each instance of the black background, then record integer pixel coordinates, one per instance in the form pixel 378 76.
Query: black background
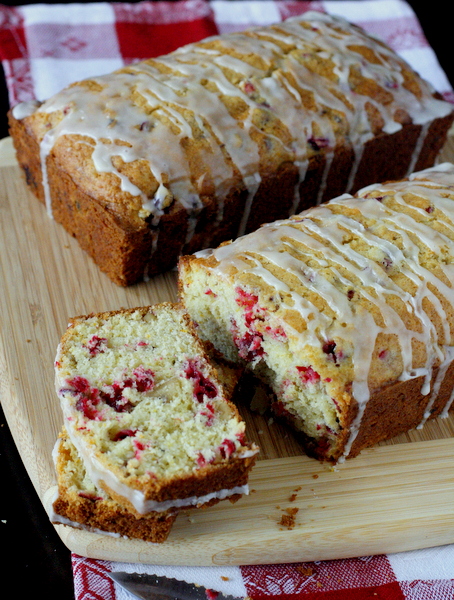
pixel 35 561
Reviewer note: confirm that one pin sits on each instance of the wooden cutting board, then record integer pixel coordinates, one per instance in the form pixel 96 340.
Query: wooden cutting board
pixel 396 496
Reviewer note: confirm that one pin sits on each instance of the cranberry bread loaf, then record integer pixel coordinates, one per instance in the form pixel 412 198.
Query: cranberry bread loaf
pixel 346 311
pixel 81 504
pixel 182 152
pixel 147 412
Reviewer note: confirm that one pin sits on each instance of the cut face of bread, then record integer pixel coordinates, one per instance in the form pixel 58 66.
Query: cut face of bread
pixel 81 504
pixel 345 311
pixel 147 413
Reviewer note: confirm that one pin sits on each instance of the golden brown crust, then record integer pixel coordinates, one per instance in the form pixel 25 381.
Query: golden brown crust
pixel 96 512
pixel 207 480
pixel 107 516
pixel 398 408
pixel 122 251
pixel 127 246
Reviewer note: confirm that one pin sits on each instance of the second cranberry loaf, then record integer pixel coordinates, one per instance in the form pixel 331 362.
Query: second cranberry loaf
pixel 181 152
pixel 147 413
pixel 346 311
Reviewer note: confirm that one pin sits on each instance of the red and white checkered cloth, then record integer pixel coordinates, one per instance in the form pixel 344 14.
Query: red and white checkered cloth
pixel 417 575
pixel 45 47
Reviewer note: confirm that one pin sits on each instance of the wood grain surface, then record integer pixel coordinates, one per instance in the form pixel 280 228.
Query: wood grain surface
pixel 396 496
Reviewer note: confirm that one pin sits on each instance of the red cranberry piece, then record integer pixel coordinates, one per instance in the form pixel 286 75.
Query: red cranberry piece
pixel 115 399
pixel 378 198
pixel 201 462
pixel 89 496
pixel 249 346
pixel 89 397
pixel 87 406
pixel 96 345
pixel 146 126
pixel 430 209
pixel 249 88
pixel 329 348
pixel 144 379
pixel 211 594
pixel 317 143
pixel 245 298
pixel 139 448
pixel 241 437
pixel 139 445
pixel 80 384
pixel 277 332
pixel 202 385
pixel 124 433
pixel 227 448
pixel 208 412
pixel 308 375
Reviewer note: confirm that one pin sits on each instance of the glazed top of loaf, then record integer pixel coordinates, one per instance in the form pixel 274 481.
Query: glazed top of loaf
pixel 371 274
pixel 222 113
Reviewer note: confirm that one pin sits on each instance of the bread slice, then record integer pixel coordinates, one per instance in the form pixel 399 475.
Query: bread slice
pixel 345 311
pixel 81 504
pixel 147 412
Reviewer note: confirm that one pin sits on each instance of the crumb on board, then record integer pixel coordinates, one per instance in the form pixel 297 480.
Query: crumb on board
pixel 224 578
pixel 291 511
pixel 306 571
pixel 288 518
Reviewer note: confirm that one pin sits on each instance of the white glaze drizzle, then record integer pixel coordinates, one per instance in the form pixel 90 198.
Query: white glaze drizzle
pixel 111 114
pixel 445 412
pixel 321 230
pixel 25 109
pixel 419 145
